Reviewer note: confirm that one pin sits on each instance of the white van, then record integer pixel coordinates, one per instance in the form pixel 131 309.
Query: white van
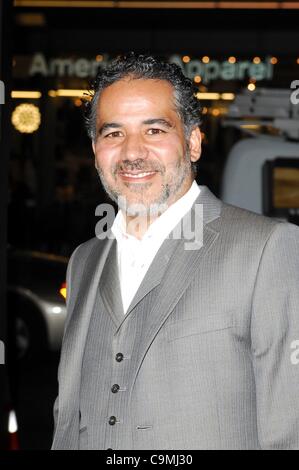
pixel 262 171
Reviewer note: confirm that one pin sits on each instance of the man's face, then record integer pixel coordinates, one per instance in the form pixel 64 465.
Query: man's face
pixel 140 148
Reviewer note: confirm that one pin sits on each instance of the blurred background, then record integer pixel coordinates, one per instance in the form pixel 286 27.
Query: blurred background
pixel 243 57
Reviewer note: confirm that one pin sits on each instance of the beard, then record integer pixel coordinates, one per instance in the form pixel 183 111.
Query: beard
pixel 172 181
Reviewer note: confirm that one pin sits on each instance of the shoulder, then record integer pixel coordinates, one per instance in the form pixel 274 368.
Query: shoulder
pixel 244 228
pixel 245 218
pixel 84 249
pixel 80 266
pixel 244 221
pixel 233 220
pixel 80 255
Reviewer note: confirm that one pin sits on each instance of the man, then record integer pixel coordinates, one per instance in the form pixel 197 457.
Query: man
pixel 169 345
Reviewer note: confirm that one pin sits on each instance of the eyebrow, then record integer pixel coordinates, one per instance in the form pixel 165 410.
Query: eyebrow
pixel 109 125
pixel 162 121
pixel 117 125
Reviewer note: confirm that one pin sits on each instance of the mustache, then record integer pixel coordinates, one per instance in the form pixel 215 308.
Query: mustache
pixel 138 164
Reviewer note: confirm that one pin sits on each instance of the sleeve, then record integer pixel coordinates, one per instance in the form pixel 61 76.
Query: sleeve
pixel 55 414
pixel 68 294
pixel 274 335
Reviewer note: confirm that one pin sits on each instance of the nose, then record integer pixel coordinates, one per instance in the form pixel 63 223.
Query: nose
pixel 133 147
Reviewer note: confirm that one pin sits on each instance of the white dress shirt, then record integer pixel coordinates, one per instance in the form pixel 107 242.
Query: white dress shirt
pixel 135 256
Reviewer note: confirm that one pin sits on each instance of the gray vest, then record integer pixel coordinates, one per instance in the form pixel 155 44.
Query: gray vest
pixel 111 354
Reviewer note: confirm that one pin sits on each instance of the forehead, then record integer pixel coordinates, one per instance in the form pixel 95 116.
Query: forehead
pixel 136 96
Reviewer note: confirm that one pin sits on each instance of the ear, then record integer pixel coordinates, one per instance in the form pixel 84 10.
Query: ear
pixel 93 147
pixel 195 144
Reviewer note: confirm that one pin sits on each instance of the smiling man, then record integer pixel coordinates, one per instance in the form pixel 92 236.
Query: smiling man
pixel 142 153
pixel 167 347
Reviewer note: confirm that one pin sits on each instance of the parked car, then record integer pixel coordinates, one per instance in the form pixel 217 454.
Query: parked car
pixel 35 301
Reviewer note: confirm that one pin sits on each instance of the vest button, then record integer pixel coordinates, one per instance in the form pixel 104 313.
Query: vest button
pixel 119 357
pixel 112 420
pixel 115 388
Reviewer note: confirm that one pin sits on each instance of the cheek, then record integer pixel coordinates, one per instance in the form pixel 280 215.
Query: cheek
pixel 104 157
pixel 170 152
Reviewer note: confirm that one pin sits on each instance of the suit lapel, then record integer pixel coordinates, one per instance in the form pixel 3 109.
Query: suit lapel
pixel 181 269
pixel 155 272
pixel 211 210
pixel 157 269
pixel 110 287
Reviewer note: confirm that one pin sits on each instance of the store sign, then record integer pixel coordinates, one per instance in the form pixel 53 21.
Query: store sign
pixel 216 70
pixel 59 67
pixel 213 70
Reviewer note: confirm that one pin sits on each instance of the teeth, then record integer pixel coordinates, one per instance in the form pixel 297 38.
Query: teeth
pixel 140 175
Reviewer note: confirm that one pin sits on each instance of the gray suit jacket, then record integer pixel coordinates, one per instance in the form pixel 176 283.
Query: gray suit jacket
pixel 214 363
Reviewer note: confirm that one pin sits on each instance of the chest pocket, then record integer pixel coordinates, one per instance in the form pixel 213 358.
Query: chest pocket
pixel 197 326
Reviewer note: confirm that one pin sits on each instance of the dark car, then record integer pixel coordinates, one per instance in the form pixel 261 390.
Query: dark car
pixel 36 300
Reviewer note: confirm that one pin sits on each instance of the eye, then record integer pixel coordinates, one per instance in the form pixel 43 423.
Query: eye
pixel 113 134
pixel 155 131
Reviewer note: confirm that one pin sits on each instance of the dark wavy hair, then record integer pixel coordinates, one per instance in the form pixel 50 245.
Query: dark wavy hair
pixel 147 67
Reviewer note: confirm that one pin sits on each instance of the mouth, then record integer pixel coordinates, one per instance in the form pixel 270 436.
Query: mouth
pixel 137 176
